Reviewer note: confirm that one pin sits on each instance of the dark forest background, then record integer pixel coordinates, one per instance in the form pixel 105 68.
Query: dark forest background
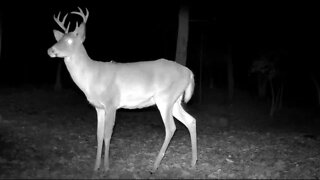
pixel 126 31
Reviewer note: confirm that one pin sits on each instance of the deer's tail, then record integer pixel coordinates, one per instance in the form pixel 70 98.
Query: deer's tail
pixel 189 90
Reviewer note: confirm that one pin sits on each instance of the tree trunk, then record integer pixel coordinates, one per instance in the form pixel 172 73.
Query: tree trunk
pixel 182 39
pixel 230 78
pixel 262 86
pixel 200 66
pixel 316 84
pixel 273 99
pixel 0 34
pixel 57 85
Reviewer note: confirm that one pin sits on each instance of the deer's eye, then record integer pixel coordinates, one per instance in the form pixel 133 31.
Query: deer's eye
pixel 69 41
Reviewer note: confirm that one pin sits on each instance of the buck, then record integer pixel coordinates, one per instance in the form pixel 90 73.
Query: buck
pixel 109 86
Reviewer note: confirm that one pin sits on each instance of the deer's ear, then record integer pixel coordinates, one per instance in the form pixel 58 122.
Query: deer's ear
pixel 57 34
pixel 81 31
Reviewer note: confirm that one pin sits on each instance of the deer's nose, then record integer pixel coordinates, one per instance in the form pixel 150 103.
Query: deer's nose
pixel 51 52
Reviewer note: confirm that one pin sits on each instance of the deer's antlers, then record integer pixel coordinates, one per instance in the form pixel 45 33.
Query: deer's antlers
pixel 80 13
pixel 61 24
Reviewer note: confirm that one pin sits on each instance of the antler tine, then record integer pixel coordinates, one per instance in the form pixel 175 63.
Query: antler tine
pixel 84 16
pixel 61 24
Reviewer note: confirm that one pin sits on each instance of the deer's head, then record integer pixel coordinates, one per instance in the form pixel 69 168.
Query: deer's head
pixel 68 43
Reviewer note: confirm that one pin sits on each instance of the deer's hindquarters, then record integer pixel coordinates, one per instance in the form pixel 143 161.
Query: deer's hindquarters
pixel 189 90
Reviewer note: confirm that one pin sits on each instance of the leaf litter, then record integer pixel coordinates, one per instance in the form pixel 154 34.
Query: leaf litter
pixel 45 134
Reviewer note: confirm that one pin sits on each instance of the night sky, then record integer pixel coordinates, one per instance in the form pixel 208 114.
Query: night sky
pixel 126 31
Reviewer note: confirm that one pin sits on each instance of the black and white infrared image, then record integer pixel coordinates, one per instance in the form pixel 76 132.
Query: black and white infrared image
pixel 159 89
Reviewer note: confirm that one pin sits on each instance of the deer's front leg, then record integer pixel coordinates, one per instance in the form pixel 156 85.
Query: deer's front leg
pixel 100 133
pixel 108 128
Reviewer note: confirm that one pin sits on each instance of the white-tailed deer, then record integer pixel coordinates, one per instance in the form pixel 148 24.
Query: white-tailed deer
pixel 109 86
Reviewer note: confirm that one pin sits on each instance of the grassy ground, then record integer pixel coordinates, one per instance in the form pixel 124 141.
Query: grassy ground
pixel 47 134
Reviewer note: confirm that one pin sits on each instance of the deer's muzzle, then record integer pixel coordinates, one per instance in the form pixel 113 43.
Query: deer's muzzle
pixel 52 52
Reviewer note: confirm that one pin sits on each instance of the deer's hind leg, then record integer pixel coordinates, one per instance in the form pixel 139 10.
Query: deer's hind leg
pixel 190 122
pixel 165 108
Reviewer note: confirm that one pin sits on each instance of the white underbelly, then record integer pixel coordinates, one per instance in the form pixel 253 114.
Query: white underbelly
pixel 133 102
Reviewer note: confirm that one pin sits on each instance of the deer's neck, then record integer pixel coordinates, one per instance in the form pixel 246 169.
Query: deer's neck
pixel 79 66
